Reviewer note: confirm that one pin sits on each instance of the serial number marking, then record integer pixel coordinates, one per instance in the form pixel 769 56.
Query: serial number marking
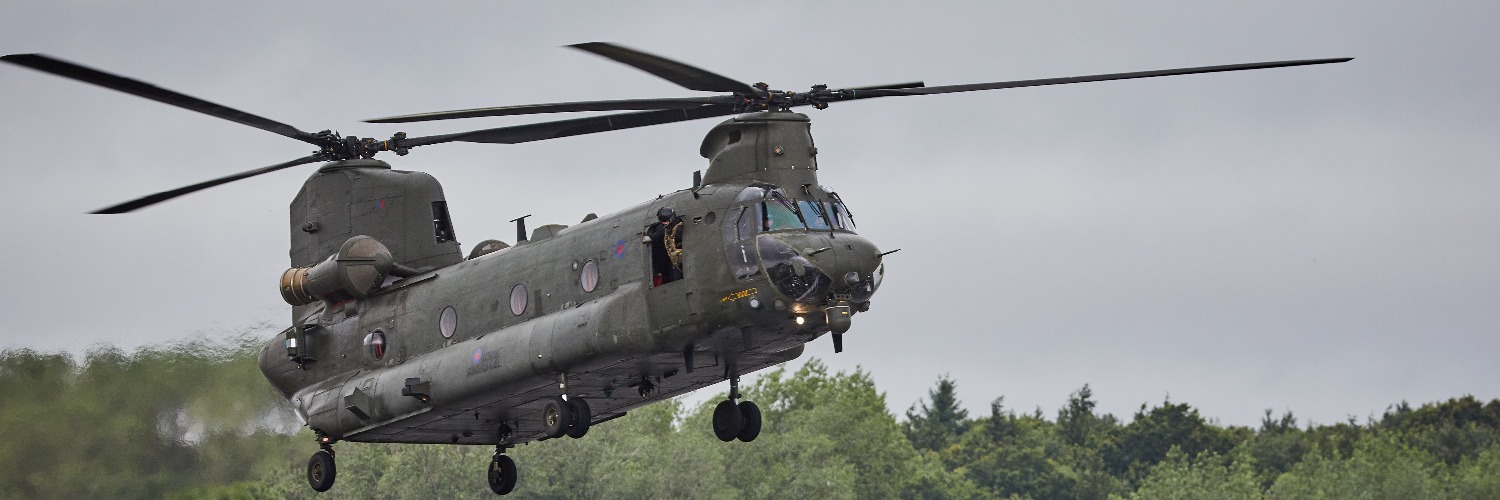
pixel 739 295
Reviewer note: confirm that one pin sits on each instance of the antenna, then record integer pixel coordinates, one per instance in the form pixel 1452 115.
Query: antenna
pixel 520 228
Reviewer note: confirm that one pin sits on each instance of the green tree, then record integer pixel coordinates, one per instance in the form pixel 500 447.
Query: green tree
pixel 1008 455
pixel 175 417
pixel 1210 476
pixel 1088 439
pixel 1276 447
pixel 1475 478
pixel 1380 467
pixel 823 429
pixel 1076 421
pixel 935 427
pixel 1452 431
pixel 1145 441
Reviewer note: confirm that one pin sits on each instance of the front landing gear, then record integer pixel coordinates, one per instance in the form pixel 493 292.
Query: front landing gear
pixel 321 470
pixel 736 420
pixel 502 476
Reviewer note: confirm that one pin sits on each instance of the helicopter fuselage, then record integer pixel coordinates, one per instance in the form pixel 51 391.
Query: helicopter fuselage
pixel 469 352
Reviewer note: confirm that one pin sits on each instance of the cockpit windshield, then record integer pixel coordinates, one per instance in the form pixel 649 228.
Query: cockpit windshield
pixel 816 213
pixel 778 212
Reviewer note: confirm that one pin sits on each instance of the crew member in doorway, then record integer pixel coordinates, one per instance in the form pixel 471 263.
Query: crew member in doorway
pixel 665 238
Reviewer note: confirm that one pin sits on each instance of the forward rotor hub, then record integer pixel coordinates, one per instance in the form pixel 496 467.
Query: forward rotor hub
pixel 336 147
pixel 766 99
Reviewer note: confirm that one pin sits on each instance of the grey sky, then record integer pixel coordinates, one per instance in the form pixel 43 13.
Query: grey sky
pixel 1320 239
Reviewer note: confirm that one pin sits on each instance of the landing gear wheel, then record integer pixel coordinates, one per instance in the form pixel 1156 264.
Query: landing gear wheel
pixel 751 414
pixel 556 417
pixel 582 417
pixel 727 421
pixel 502 477
pixel 321 471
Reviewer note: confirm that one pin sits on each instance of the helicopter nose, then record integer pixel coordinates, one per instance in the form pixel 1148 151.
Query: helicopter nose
pixel 852 263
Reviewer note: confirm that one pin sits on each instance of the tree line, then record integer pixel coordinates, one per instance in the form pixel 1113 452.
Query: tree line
pixel 195 419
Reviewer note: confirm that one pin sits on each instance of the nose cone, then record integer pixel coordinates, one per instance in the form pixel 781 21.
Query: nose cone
pixel 851 261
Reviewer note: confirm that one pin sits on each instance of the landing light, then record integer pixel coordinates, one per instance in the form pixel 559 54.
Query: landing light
pixel 801 320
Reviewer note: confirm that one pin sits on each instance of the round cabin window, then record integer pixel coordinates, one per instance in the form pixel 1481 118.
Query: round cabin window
pixel 518 299
pixel 448 322
pixel 375 345
pixel 588 278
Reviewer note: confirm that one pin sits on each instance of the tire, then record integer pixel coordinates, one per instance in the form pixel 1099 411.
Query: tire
pixel 502 474
pixel 727 421
pixel 751 413
pixel 556 417
pixel 582 417
pixel 321 471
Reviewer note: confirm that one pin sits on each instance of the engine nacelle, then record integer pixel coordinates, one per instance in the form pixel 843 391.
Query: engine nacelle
pixel 359 267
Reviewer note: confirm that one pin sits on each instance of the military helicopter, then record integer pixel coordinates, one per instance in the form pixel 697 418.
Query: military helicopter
pixel 398 337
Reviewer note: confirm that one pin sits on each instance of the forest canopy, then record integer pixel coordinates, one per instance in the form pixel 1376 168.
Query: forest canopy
pixel 195 419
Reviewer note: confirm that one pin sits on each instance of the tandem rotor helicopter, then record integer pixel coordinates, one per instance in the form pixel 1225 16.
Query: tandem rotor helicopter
pixel 398 337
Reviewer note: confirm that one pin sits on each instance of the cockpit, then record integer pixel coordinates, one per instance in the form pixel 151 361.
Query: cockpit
pixel 768 208
pixel 759 233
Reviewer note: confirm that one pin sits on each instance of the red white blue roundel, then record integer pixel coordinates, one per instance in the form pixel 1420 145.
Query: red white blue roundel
pixel 619 249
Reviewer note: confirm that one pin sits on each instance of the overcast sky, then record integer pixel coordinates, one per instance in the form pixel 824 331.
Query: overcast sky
pixel 1317 239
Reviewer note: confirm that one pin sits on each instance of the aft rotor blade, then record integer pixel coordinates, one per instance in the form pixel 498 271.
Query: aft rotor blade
pixel 577 126
pixel 560 107
pixel 146 201
pixel 690 77
pixel 945 89
pixel 139 88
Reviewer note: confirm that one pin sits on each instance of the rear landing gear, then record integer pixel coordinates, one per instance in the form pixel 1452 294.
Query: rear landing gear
pixel 570 417
pixel 736 420
pixel 582 417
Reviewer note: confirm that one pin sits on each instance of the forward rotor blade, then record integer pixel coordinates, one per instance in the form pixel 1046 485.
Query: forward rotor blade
pixel 560 107
pixel 146 201
pixel 907 85
pixel 577 126
pixel 945 89
pixel 138 88
pixel 690 77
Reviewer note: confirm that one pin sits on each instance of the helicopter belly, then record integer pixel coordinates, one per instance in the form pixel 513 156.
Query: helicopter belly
pixel 487 375
pixel 502 379
pixel 611 390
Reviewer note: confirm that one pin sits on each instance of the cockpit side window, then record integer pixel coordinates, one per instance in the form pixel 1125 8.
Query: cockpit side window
pixel 739 239
pixel 839 214
pixel 744 225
